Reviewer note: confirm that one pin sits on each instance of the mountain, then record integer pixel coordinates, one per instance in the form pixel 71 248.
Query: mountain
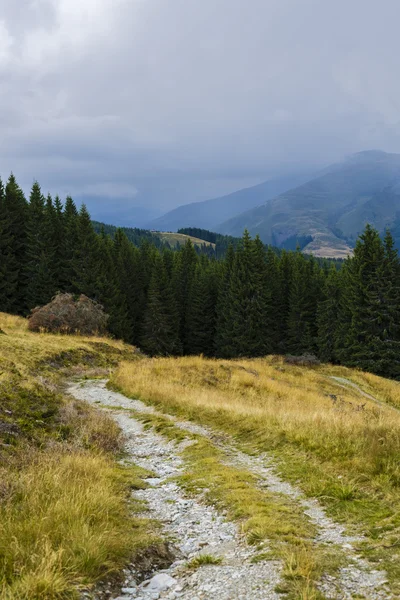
pixel 332 208
pixel 208 214
pixel 118 211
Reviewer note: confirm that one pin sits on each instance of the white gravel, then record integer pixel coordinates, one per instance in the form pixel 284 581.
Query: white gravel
pixel 194 527
pixel 199 529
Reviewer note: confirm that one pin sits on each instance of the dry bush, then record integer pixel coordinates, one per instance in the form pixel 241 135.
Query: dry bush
pixel 65 314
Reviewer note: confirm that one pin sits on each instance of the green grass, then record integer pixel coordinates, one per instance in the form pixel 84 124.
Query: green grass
pixel 202 560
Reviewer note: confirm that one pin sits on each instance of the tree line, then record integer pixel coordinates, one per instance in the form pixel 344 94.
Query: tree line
pixel 253 302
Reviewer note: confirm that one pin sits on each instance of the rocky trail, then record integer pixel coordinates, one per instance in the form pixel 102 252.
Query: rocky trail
pixel 197 529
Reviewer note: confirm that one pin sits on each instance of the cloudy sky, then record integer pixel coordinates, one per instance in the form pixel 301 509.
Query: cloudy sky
pixel 163 102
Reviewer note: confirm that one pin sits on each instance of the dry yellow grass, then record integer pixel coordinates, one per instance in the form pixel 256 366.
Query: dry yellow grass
pixel 65 517
pixel 22 350
pixel 345 451
pixel 282 403
pixel 63 525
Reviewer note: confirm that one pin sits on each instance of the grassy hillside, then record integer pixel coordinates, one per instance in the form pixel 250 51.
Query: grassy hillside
pixel 332 430
pixel 65 518
pixel 173 239
pixel 333 208
pixel 158 238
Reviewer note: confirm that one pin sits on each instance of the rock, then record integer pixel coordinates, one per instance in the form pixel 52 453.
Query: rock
pixel 160 582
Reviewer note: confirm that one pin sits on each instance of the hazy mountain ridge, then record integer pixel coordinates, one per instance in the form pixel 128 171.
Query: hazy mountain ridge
pixel 209 214
pixel 333 208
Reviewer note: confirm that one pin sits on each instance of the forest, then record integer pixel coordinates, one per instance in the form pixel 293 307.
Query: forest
pixel 250 303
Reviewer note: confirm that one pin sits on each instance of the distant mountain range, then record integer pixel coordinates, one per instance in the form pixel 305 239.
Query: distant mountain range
pixel 209 214
pixel 325 214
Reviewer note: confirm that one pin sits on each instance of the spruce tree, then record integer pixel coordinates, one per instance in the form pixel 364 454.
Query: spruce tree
pixel 223 333
pixel 69 243
pixel 305 290
pixel 15 280
pixel 361 279
pixel 39 249
pixel 201 318
pixel 248 302
pixel 328 315
pixel 285 274
pixel 160 333
pixel 8 262
pixel 384 315
pixel 56 223
pixel 184 270
pixel 86 260
pixel 272 276
pixel 109 291
pixel 131 283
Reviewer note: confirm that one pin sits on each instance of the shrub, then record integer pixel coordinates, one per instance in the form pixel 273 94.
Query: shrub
pixel 66 314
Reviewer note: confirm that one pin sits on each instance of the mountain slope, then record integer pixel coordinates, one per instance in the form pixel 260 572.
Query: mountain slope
pixel 208 214
pixel 332 208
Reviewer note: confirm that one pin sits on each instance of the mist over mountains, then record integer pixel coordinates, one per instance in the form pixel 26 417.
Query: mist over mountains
pixel 327 211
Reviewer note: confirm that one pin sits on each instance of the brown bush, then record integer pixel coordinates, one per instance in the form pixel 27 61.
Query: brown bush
pixel 66 314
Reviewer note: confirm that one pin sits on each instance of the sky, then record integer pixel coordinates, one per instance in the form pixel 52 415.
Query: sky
pixel 156 103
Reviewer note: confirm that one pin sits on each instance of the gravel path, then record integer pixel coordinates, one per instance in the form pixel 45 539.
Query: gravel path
pixel 195 528
pixel 200 529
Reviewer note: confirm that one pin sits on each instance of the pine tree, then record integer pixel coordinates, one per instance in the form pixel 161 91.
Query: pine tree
pixel 384 314
pixel 184 270
pixel 275 325
pixel 131 283
pixel 223 333
pixel 305 289
pixel 248 303
pixel 86 260
pixel 39 249
pixel 285 274
pixel 56 223
pixel 371 297
pixel 108 289
pixel 14 230
pixel 160 334
pixel 201 318
pixel 328 315
pixel 8 263
pixel 69 243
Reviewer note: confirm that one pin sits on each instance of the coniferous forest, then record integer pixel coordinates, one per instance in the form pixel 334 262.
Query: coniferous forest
pixel 253 302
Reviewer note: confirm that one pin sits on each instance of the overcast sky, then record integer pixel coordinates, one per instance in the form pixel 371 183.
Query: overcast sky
pixel 162 102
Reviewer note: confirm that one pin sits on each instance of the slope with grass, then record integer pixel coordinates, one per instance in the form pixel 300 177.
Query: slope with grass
pixel 333 442
pixel 67 519
pixel 174 239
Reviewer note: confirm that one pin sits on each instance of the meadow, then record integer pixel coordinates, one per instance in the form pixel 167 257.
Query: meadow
pixel 337 439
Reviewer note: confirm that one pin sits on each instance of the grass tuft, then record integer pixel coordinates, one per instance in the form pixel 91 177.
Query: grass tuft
pixel 203 559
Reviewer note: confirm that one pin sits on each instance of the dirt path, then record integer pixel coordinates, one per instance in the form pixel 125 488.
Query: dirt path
pixel 200 529
pixel 195 528
pixel 343 383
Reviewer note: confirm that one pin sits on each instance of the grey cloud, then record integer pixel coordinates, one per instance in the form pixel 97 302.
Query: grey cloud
pixel 182 100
